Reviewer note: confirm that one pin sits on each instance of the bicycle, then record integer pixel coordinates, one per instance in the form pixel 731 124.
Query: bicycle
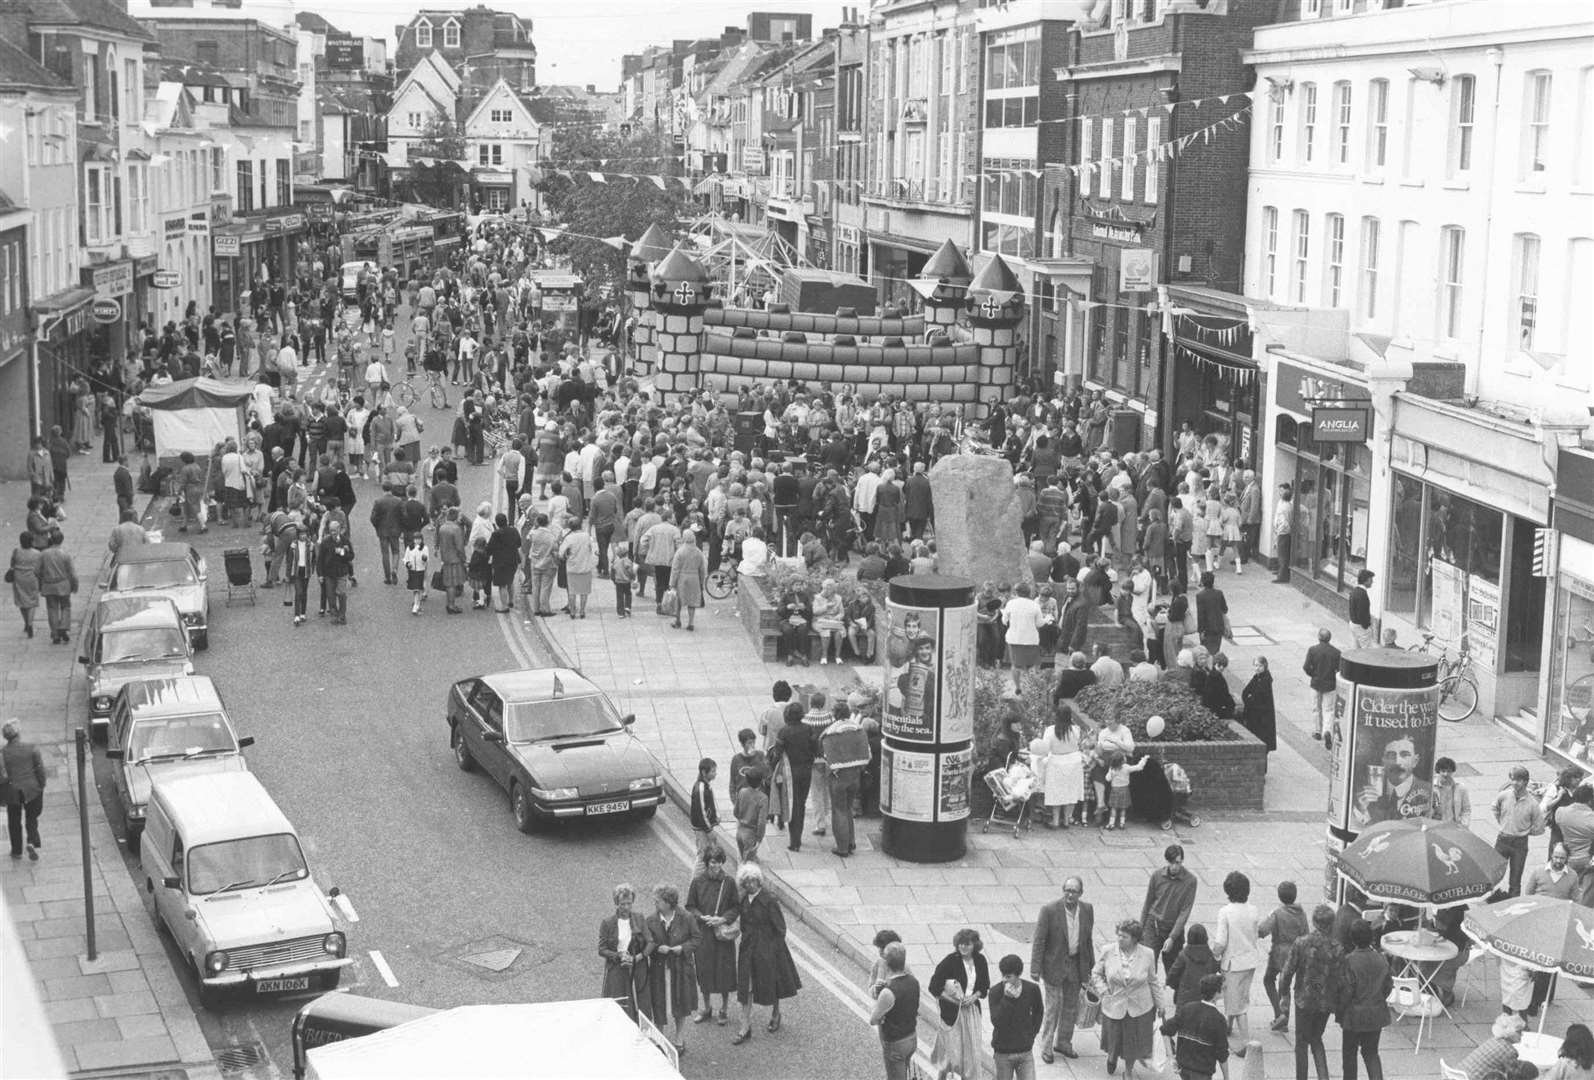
pixel 1458 686
pixel 722 583
pixel 406 395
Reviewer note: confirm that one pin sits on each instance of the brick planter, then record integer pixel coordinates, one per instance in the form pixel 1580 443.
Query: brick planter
pixel 756 612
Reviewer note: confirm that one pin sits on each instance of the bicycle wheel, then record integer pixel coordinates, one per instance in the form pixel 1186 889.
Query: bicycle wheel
pixel 404 394
pixel 439 396
pixel 1458 698
pixel 720 584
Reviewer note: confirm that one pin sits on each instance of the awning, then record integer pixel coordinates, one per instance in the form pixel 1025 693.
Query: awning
pixel 1215 355
pixel 195 394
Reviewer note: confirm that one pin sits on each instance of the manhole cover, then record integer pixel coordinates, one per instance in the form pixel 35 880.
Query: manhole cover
pixel 497 961
pixel 236 1059
pixel 497 956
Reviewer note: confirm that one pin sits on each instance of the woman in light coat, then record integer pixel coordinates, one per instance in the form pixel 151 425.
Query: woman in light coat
pixel 1062 769
pixel 1126 977
pixel 688 568
pixel 23 573
pixel 1234 943
pixel 579 550
pixel 1022 617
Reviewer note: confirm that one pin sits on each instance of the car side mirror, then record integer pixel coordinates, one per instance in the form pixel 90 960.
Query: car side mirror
pixel 113 753
pixel 492 736
pixel 247 740
pixel 628 719
pixel 172 882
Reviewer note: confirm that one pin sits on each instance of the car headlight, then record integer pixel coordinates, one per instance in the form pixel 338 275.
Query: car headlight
pixel 333 944
pixel 188 667
pixel 645 782
pixel 555 794
pixel 101 703
pixel 217 962
pixel 191 618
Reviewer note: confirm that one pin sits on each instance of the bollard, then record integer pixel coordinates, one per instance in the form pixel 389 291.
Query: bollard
pixel 82 738
pixel 1254 1069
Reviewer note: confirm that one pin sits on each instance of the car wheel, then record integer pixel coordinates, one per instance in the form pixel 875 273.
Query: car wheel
pixel 462 756
pixel 520 802
pixel 100 735
pixel 646 813
pixel 154 909
pixel 209 997
pixel 202 640
pixel 134 831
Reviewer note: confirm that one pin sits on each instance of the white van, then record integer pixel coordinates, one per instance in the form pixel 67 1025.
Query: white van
pixel 229 880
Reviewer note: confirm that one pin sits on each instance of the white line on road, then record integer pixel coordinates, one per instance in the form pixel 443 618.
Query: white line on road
pixel 382 969
pixel 341 902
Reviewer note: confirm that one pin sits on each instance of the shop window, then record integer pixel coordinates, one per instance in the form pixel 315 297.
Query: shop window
pixel 1523 633
pixel 1570 730
pixel 1442 546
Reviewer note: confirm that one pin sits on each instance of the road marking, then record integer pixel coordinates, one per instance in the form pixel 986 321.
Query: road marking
pixel 341 902
pixel 382 969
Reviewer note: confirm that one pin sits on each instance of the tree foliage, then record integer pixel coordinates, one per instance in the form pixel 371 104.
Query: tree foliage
pixel 619 207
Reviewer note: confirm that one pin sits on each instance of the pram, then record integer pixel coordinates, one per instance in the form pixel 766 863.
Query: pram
pixel 1014 790
pixel 240 575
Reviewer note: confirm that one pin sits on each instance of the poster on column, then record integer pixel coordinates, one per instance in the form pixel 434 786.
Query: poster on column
pixel 907 789
pixel 1339 764
pixel 912 675
pixel 1483 621
pixel 953 787
pixel 1393 736
pixel 957 673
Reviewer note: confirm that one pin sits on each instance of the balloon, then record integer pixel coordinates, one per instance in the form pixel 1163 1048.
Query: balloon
pixel 1155 727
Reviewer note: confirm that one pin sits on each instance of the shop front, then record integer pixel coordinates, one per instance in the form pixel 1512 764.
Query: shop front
pixel 61 353
pixel 260 248
pixel 1468 492
pixel 146 298
pixel 1569 689
pixel 114 322
pixel 1215 384
pixel 1322 446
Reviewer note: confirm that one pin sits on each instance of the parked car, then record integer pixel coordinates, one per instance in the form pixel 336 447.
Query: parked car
pixel 177 571
pixel 228 878
pixel 162 729
pixel 555 742
pixel 131 636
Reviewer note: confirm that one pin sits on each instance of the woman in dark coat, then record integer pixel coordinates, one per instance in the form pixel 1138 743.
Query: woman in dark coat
pixel 673 940
pixel 622 941
pixel 1256 704
pixel 711 899
pixel 451 553
pixel 888 509
pixel 961 981
pixel 503 556
pixel 765 973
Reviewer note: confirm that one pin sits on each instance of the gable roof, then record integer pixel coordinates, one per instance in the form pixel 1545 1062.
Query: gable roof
pixel 93 14
pixel 444 70
pixel 501 91
pixel 420 88
pixel 18 69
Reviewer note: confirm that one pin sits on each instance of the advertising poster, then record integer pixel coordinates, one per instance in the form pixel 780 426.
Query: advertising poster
pixel 957 673
pixel 1392 753
pixel 956 770
pixel 907 789
pixel 1331 880
pixel 1483 621
pixel 1339 770
pixel 1449 600
pixel 912 673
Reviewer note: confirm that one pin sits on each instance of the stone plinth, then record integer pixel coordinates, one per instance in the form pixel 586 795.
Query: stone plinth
pixel 978 522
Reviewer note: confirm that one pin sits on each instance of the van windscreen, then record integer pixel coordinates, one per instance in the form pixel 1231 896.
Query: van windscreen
pixel 248 862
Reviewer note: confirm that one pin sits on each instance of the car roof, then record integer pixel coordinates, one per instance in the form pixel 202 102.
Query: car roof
pixel 537 684
pixel 196 804
pixel 174 694
pixel 135 611
pixel 167 551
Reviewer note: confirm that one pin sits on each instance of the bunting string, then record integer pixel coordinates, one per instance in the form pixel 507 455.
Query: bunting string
pixel 1227 334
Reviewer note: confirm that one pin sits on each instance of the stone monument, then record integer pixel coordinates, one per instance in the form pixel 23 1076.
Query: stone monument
pixel 979 531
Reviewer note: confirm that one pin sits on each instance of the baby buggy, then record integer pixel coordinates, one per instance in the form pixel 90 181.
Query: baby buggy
pixel 1014 790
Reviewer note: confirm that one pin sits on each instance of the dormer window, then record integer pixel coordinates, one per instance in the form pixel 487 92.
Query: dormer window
pixel 423 34
pixel 451 34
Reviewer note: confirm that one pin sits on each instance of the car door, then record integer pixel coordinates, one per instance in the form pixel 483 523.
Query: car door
pixel 118 736
pixel 487 709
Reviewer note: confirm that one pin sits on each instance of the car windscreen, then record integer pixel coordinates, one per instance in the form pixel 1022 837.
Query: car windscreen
pixel 145 643
pixel 179 736
pixel 154 575
pixel 248 862
pixel 561 718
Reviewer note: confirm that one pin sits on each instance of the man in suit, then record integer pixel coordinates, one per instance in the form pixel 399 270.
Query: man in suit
pixel 122 481
pixel 1321 665
pixel 1250 517
pixel 22 780
pixel 1062 956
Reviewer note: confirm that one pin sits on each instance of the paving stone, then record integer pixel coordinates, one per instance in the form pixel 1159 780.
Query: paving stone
pixel 106 962
pixel 86 1031
pixel 70 1011
pixel 131 982
pixel 141 1026
pixel 76 986
pixel 126 1053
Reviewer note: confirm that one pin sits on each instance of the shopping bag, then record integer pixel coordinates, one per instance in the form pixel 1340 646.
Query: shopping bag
pixel 670 603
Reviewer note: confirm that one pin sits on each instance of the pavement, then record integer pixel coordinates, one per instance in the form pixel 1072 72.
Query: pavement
pixel 122 1012
pixel 693 691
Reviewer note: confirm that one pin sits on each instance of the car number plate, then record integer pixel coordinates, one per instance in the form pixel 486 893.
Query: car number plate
pixel 609 807
pixel 275 986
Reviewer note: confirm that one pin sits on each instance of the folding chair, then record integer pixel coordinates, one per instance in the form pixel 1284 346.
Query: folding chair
pixel 1450 1072
pixel 1406 998
pixel 1474 969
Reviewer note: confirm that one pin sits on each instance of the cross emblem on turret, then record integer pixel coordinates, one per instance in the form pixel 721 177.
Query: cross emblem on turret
pixel 685 295
pixel 990 309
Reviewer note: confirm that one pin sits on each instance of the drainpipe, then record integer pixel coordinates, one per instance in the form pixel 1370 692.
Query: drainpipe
pixel 1496 57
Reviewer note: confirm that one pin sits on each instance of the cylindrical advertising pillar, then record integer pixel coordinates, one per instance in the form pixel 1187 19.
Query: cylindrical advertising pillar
pixel 927 722
pixel 1385 729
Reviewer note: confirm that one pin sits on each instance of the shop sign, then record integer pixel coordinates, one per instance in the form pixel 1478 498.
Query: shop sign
pixel 1299 390
pixel 1339 424
pixel 227 246
pixel 175 226
pixel 167 279
pixel 1137 270
pixel 199 224
pixel 106 310
pixel 145 265
pixel 274 224
pixel 752 160
pixel 71 326
pixel 110 281
pixel 1126 234
pixel 220 209
pixel 292 222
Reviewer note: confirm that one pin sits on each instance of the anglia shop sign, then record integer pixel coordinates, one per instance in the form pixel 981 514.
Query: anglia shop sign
pixel 1339 424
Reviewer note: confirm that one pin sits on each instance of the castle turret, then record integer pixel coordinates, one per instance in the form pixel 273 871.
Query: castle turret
pixel 653 245
pixel 995 306
pixel 944 283
pixel 679 294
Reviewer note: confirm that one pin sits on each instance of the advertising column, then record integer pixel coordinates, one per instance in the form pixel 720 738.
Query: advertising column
pixel 1385 730
pixel 927 719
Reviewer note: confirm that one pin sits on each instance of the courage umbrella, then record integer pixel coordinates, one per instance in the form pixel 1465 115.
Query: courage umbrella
pixel 1422 862
pixel 1539 932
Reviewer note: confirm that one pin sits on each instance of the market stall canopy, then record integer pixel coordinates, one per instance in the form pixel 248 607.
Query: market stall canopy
pixel 199 393
pixel 195 414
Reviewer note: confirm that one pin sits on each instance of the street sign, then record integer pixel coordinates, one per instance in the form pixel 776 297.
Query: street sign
pixel 106 310
pixel 1336 423
pixel 226 245
pixel 166 279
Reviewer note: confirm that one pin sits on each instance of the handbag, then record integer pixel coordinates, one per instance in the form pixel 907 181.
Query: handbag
pixel 1089 1013
pixel 437 581
pixel 11 575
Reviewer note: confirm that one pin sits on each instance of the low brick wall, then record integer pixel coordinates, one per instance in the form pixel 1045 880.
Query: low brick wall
pixel 756 612
pixel 1223 775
